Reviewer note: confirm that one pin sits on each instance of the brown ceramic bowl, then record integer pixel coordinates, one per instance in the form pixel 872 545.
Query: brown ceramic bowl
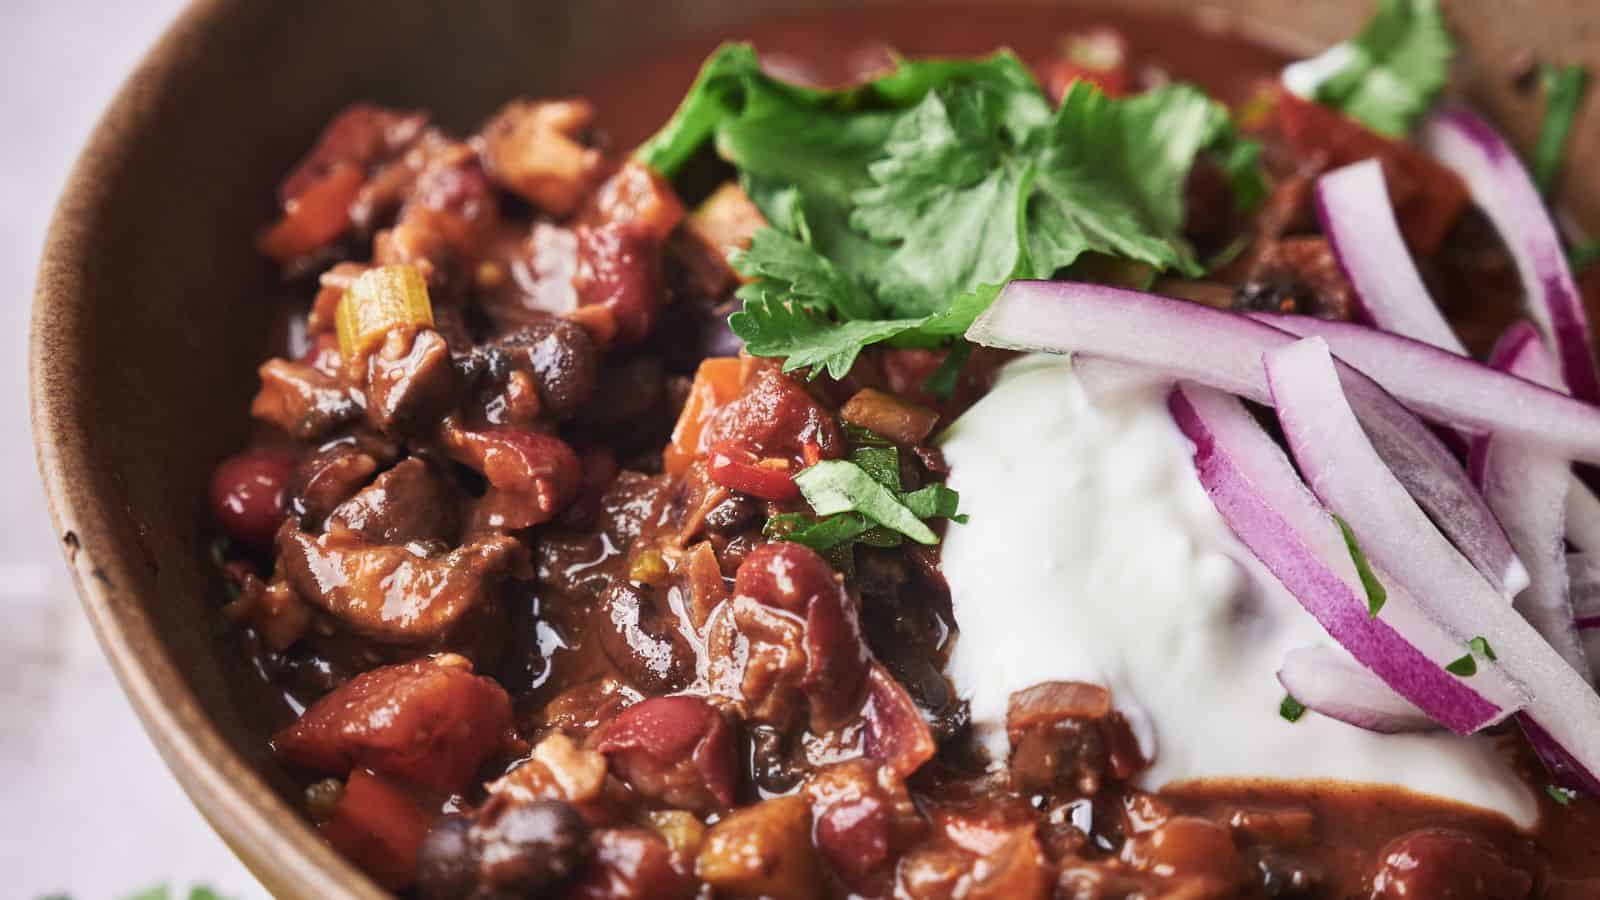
pixel 152 304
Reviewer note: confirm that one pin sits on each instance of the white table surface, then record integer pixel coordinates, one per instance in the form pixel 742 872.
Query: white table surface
pixel 86 807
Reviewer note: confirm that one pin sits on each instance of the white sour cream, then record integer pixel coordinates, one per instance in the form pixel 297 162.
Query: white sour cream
pixel 1093 554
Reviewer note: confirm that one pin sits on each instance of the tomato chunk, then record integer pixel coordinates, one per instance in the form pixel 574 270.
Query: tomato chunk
pixel 1427 197
pixel 430 723
pixel 380 828
pixel 733 466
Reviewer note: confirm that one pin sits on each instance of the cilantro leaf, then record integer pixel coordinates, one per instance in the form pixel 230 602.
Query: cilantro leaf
pixel 837 486
pixel 1480 646
pixel 773 327
pixel 1564 87
pixel 1291 709
pixel 1377 596
pixel 1103 185
pixel 899 207
pixel 818 534
pixel 1561 795
pixel 942 383
pixel 882 463
pixel 1397 65
pixel 935 501
pixel 1466 666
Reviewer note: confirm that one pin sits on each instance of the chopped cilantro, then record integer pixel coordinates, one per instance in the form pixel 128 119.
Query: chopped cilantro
pixel 1480 646
pixel 1466 667
pixel 1564 87
pixel 897 208
pixel 882 463
pixel 934 502
pixel 838 486
pixel 1561 795
pixel 1376 595
pixel 1397 65
pixel 818 534
pixel 864 437
pixel 1291 709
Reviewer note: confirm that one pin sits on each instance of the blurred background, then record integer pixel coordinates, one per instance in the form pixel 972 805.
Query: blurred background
pixel 91 811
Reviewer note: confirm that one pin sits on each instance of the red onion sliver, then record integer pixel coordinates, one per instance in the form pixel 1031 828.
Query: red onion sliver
pixel 1358 219
pixel 1526 486
pixel 1330 683
pixel 1458 391
pixel 1342 467
pixel 1258 494
pixel 1583 573
pixel 1500 186
pixel 1187 341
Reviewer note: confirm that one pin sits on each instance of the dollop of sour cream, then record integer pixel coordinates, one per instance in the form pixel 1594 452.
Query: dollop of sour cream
pixel 1093 554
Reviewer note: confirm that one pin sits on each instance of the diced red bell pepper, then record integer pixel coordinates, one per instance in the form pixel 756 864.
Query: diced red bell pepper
pixel 732 466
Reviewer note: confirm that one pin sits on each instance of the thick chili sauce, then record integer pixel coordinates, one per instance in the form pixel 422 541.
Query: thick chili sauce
pixel 503 603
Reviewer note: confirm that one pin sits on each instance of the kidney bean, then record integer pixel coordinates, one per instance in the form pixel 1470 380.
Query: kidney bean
pixel 896 733
pixel 785 576
pixel 676 749
pixel 247 495
pixel 1446 864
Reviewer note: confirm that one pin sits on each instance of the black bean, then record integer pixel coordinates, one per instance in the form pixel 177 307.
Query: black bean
pixel 447 867
pixel 523 848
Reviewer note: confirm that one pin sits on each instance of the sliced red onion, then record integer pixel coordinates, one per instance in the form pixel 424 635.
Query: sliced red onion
pixel 1258 494
pixel 1526 486
pixel 1358 220
pixel 1583 573
pixel 1326 681
pixel 1500 186
pixel 1108 378
pixel 1353 203
pixel 1223 350
pixel 1458 391
pixel 1342 467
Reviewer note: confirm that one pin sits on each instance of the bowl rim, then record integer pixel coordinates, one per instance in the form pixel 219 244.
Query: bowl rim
pixel 274 842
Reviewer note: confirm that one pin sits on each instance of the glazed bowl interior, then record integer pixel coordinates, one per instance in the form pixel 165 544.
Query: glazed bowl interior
pixel 152 304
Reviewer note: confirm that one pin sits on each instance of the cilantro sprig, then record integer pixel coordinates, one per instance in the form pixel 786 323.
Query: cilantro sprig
pixel 897 208
pixel 1395 68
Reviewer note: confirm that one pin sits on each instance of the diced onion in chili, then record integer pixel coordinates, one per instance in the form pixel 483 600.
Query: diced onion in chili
pixel 378 301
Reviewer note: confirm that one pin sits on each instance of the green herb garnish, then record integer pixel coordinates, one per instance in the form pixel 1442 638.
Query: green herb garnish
pixel 839 486
pixel 1480 646
pixel 1466 667
pixel 1564 87
pixel 897 208
pixel 1376 595
pixel 942 383
pixel 1398 64
pixel 1291 709
pixel 1561 795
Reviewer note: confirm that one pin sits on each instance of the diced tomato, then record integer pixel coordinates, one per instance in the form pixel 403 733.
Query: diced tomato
pixel 430 723
pixel 1427 197
pixel 380 828
pixel 716 383
pixel 317 216
pixel 732 466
